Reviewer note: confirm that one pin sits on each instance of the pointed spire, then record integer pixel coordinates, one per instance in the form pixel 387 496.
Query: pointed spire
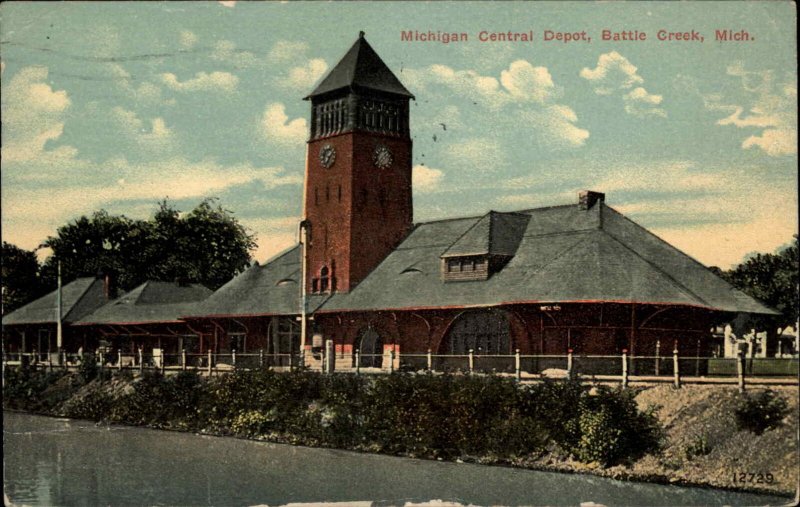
pixel 361 68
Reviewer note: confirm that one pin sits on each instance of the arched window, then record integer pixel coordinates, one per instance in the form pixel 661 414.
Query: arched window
pixel 484 332
pixel 323 279
pixel 370 347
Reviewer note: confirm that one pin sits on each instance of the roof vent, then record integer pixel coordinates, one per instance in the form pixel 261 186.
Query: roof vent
pixel 588 198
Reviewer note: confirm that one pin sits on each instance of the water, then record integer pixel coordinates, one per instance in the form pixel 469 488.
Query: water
pixel 68 462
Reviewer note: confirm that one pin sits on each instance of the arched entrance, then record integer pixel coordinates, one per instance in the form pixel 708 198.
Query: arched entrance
pixel 482 331
pixel 370 346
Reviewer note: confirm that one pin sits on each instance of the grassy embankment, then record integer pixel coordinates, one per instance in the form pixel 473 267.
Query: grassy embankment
pixel 691 435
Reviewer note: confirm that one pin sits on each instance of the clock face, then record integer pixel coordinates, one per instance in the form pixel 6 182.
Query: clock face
pixel 327 155
pixel 382 157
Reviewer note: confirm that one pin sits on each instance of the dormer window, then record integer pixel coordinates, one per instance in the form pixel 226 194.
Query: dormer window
pixel 473 267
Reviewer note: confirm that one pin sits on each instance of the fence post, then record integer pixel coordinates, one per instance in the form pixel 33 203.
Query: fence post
pixel 260 358
pixel 49 362
pixel 624 368
pixel 64 358
pixel 658 357
pixel 391 360
pixel 183 359
pixel 102 360
pixel 569 363
pixel 163 361
pixel 471 361
pixel 430 360
pixel 358 361
pixel 740 369
pixel 233 358
pixel 676 369
pixel 517 369
pixel 141 361
pixel 119 360
pixel 209 362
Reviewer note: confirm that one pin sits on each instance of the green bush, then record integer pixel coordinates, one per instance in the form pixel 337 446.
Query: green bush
pixel 759 412
pixel 698 446
pixel 88 369
pixel 432 416
pixel 613 430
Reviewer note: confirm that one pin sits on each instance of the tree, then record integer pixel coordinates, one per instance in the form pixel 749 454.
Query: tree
pixel 20 277
pixel 772 279
pixel 207 245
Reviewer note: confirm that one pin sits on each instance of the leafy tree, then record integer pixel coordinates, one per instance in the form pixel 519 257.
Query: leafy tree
pixel 20 277
pixel 207 245
pixel 773 279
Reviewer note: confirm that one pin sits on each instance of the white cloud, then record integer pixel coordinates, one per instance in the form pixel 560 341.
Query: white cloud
pixel 32 114
pixel 774 142
pixel 287 51
pixel 520 84
pixel 226 51
pixel 224 81
pixel 32 212
pixel 479 154
pixel 425 179
pixel 526 82
pixel 276 126
pixel 715 216
pixel 304 76
pixel 188 39
pixel 639 102
pixel 770 106
pixel 615 74
pixel 156 136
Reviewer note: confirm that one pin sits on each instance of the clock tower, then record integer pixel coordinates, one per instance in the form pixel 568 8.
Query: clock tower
pixel 358 171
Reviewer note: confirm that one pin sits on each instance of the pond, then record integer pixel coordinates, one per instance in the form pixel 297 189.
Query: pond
pixel 50 461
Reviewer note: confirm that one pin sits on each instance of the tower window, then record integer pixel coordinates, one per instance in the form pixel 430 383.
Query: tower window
pixel 340 193
pixel 323 279
pixel 327 193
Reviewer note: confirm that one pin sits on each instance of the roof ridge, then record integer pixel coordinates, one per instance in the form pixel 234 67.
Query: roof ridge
pixel 467 231
pixel 684 254
pixel 79 298
pixel 670 278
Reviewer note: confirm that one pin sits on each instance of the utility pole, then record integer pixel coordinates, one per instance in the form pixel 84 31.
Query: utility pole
pixel 305 229
pixel 58 312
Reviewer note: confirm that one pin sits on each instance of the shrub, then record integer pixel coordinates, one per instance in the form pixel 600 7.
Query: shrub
pixel 88 369
pixel 698 446
pixel 760 412
pixel 612 429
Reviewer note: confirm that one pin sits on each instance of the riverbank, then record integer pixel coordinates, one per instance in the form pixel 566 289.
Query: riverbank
pixel 487 421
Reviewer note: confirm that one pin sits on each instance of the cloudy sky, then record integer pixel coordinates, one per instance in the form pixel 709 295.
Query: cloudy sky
pixel 119 105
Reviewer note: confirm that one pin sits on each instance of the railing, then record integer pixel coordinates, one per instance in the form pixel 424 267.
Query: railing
pixel 622 368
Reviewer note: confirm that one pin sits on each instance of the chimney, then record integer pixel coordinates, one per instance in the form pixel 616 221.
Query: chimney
pixel 588 198
pixel 109 291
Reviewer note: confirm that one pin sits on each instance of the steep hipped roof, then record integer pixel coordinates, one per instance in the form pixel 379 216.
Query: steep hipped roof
pixel 269 289
pixel 494 234
pixel 78 298
pixel 565 255
pixel 361 67
pixel 152 302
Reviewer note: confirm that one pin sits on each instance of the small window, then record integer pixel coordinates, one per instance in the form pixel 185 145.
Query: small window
pixel 454 265
pixel 315 285
pixel 410 270
pixel 286 281
pixel 323 279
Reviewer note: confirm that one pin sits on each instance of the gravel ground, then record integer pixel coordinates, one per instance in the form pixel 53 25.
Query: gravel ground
pixel 694 412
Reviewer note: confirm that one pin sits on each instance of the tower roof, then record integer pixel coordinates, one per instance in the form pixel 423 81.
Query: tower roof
pixel 361 67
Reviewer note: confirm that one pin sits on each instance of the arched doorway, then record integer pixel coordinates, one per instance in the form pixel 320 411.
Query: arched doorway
pixel 487 333
pixel 370 346
pixel 483 331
